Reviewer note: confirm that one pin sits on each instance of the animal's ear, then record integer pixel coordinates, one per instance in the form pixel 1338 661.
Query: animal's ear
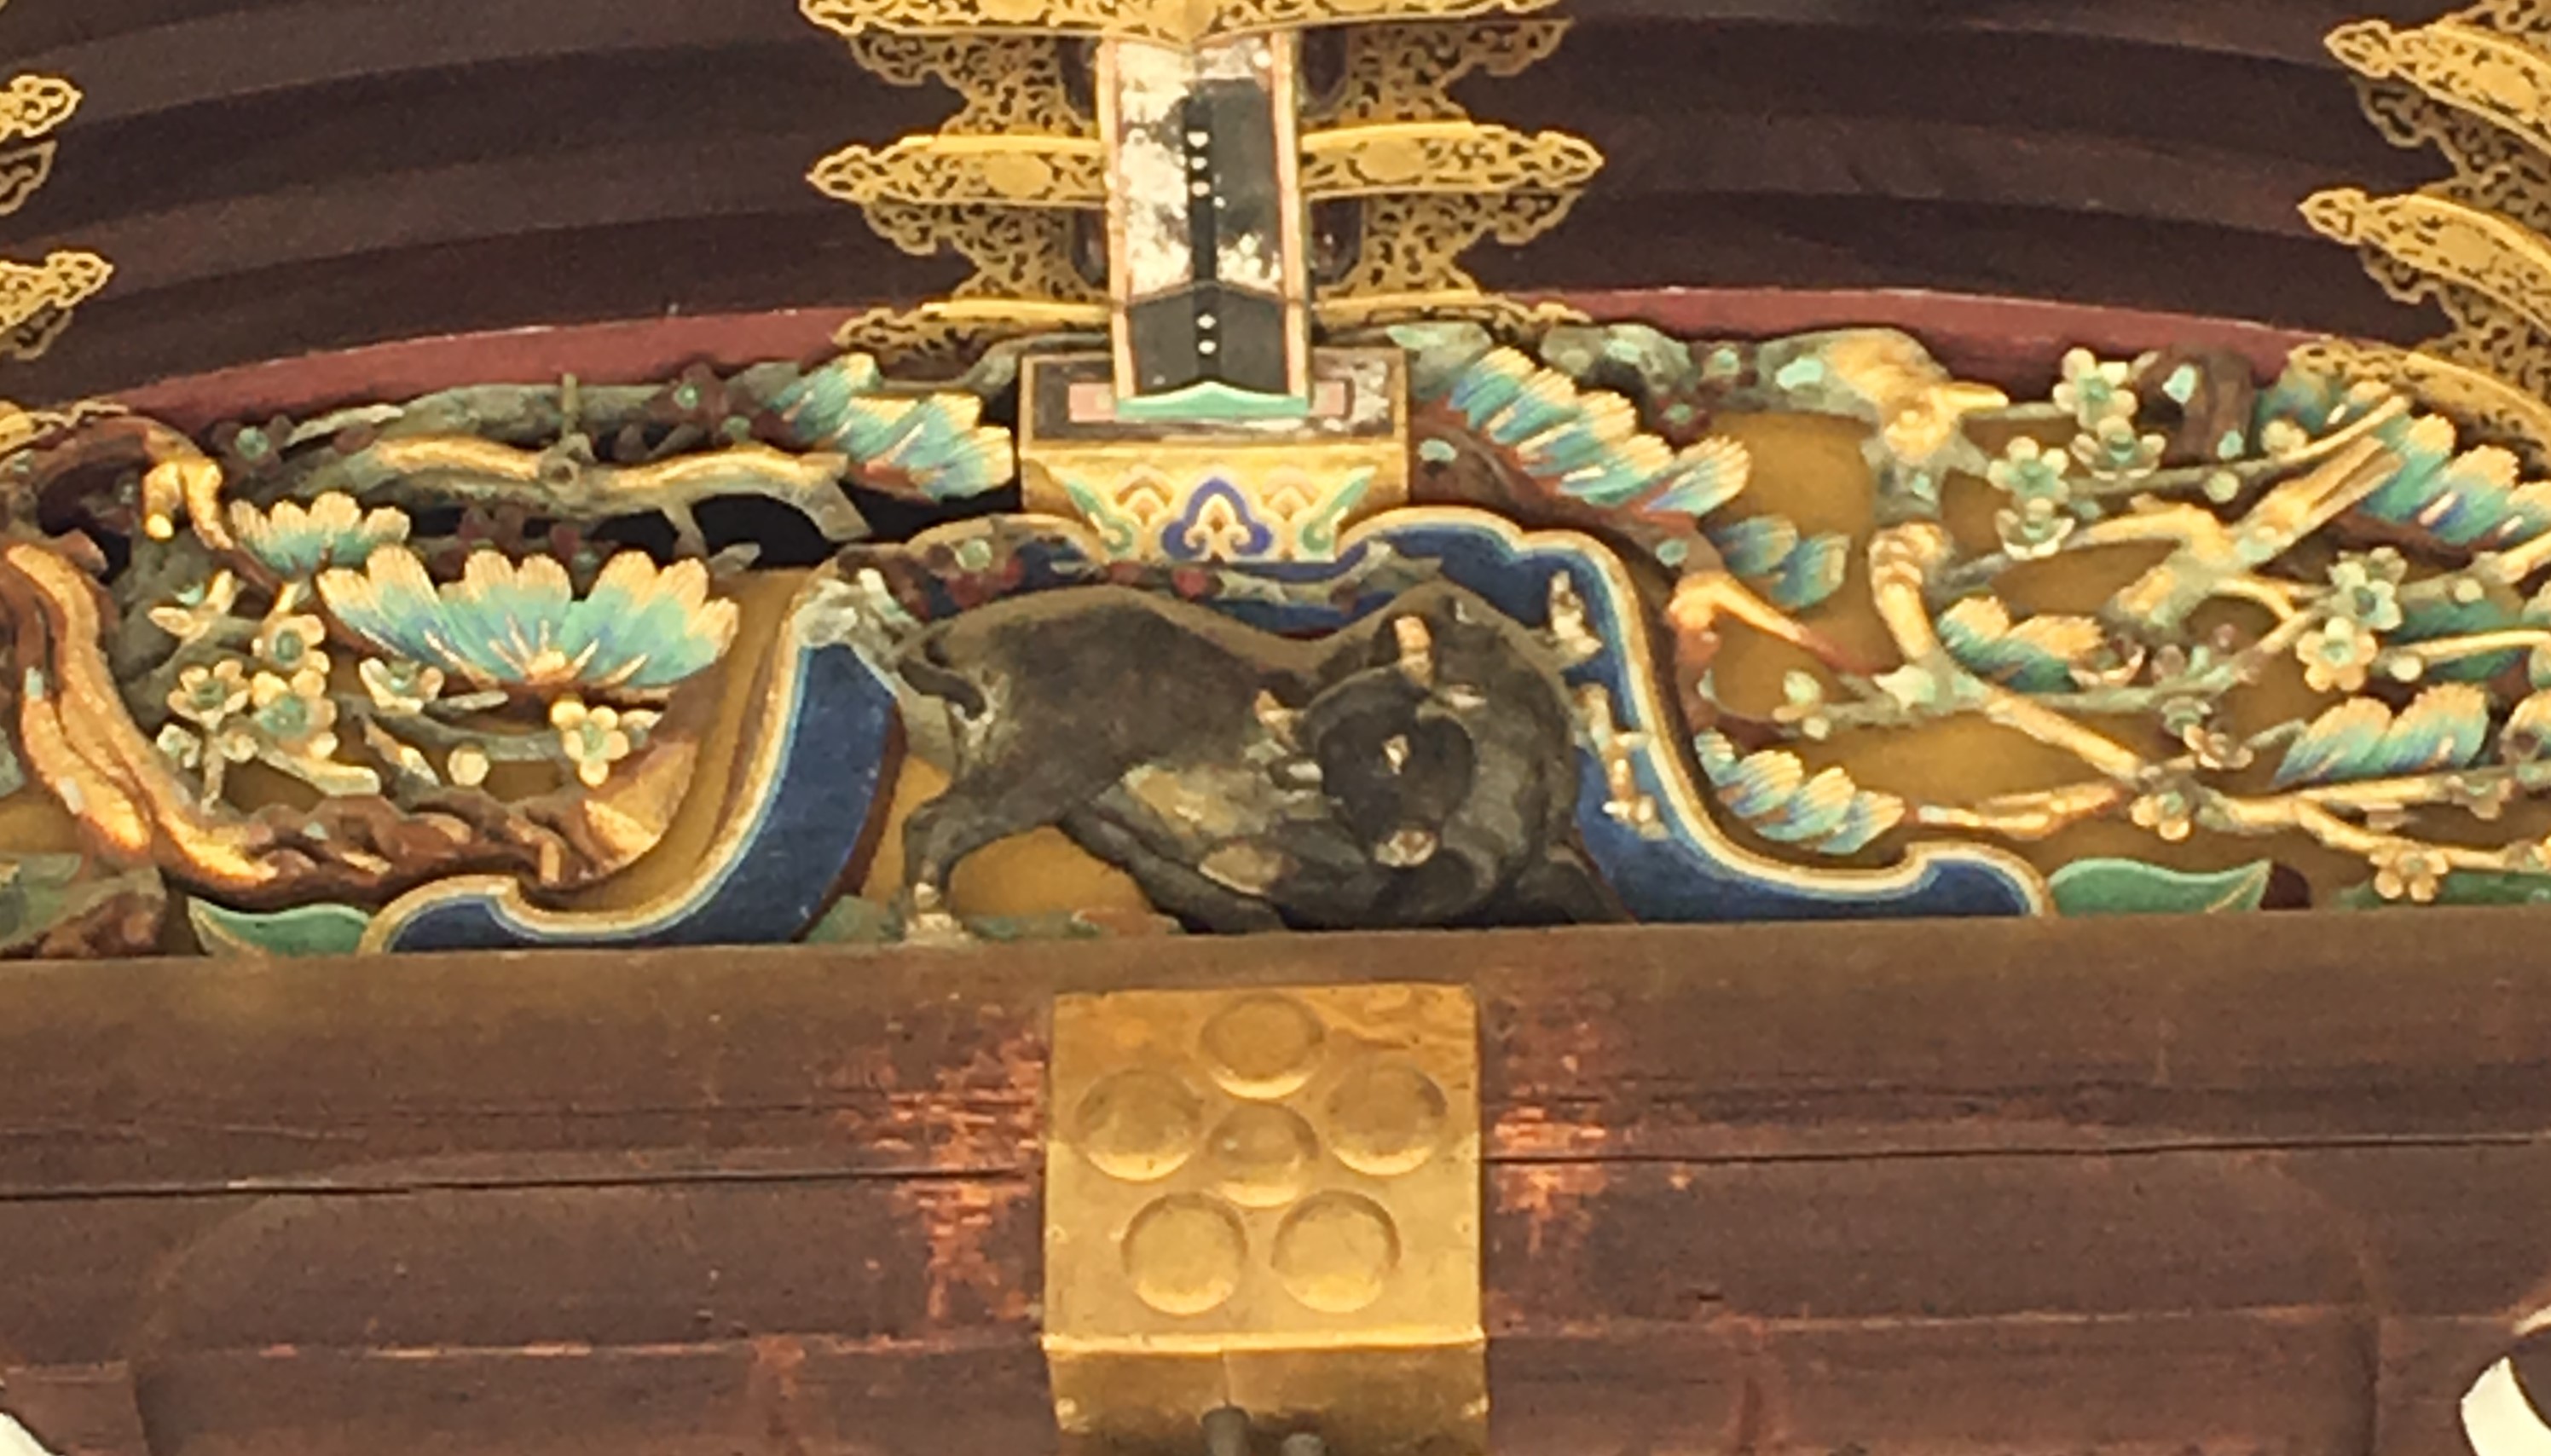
pixel 1415 644
pixel 1282 723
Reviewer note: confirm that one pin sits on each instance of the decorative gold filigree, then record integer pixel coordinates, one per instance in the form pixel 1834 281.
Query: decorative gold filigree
pixel 23 172
pixel 1162 21
pixel 1404 72
pixel 2487 402
pixel 1009 171
pixel 36 299
pixel 1001 183
pixel 2476 86
pixel 1409 257
pixel 34 106
pixel 1443 157
pixel 2493 76
pixel 1017 252
pixel 1008 84
pixel 2441 243
pixel 22 428
pixel 1428 190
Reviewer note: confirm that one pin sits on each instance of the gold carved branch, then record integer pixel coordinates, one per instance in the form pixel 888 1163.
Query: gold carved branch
pixel 2490 403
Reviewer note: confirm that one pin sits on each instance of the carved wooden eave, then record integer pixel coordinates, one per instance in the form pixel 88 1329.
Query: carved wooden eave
pixel 710 821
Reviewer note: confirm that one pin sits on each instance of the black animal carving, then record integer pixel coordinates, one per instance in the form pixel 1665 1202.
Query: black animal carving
pixel 1417 769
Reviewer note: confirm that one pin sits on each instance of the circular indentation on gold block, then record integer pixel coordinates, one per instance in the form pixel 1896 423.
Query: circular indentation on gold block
pixel 1385 1118
pixel 1262 1046
pixel 1335 1253
pixel 1184 1253
pixel 1260 1155
pixel 1140 1126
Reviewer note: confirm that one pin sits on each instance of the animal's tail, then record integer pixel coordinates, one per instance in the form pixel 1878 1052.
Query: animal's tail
pixel 855 608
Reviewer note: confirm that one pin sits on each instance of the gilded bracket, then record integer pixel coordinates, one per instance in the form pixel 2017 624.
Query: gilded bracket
pixel 1266 1202
pixel 1001 182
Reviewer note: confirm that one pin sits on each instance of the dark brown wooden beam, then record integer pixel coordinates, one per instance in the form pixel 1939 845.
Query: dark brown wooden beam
pixel 276 178
pixel 2260 1182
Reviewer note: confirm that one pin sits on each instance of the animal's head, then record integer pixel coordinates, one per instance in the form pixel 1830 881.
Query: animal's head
pixel 1395 762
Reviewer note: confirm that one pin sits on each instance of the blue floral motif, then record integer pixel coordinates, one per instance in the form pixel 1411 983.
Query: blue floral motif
pixel 508 625
pixel 293 541
pixel 1218 525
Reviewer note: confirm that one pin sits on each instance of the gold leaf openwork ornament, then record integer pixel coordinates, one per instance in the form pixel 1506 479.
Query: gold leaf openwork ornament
pixel 1404 72
pixel 2476 86
pixel 36 299
pixel 1159 21
pixel 1017 183
pixel 32 107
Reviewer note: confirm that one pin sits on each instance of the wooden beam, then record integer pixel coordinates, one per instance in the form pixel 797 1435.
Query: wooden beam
pixel 2117 1187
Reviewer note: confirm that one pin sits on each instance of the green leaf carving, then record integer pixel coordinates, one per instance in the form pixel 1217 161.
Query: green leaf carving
pixel 2132 886
pixel 2444 727
pixel 2036 655
pixel 1777 797
pixel 309 929
pixel 2462 887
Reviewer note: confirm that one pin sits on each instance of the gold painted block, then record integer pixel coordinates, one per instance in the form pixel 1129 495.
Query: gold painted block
pixel 1280 487
pixel 1268 1199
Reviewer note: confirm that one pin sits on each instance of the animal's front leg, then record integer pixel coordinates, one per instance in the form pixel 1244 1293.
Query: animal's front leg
pixel 991 800
pixel 1561 890
pixel 1169 885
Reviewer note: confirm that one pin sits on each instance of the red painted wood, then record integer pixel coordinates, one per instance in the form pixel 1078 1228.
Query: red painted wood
pixel 2010 342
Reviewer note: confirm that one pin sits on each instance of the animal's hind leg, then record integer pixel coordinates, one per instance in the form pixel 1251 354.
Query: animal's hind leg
pixel 1170 886
pixel 1561 889
pixel 990 800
